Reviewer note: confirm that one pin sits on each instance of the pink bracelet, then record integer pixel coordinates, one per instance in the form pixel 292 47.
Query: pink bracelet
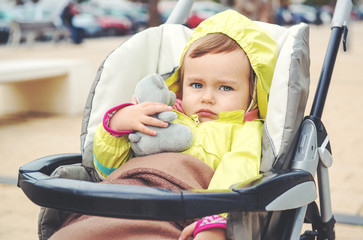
pixel 107 117
pixel 214 221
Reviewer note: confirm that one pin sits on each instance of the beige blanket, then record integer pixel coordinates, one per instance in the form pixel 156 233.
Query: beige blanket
pixel 165 170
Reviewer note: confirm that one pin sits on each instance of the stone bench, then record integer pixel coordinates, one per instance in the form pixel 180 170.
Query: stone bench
pixel 29 31
pixel 57 86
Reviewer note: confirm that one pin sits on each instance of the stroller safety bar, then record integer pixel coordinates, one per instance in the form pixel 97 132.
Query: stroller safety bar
pixel 139 202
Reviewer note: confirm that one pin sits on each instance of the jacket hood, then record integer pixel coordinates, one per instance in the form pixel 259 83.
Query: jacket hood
pixel 258 44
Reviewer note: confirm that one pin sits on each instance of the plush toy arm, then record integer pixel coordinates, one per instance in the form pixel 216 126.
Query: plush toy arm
pixel 167 116
pixel 174 138
pixel 134 137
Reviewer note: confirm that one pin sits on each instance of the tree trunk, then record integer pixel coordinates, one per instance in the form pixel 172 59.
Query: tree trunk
pixel 154 15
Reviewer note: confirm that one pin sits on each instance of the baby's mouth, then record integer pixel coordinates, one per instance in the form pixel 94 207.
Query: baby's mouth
pixel 206 113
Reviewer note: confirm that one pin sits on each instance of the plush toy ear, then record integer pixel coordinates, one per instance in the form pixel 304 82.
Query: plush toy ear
pixel 157 79
pixel 172 98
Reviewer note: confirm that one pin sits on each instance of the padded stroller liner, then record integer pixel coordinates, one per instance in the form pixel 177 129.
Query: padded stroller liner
pixel 288 94
pixel 155 50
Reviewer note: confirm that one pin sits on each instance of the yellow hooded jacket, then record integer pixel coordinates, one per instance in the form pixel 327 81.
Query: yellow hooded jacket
pixel 229 145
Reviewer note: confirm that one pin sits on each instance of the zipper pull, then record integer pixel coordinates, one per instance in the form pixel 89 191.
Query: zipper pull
pixel 195 119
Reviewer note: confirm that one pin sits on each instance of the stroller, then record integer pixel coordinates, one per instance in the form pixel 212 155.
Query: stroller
pixel 294 149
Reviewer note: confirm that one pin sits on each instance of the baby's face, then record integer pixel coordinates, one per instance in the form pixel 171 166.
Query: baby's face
pixel 215 83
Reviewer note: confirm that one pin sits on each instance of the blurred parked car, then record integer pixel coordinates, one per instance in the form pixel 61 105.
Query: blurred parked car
pixel 199 12
pixel 125 11
pixel 136 14
pixel 203 10
pixel 88 23
pixel 305 13
pixel 112 26
pixel 98 25
pixel 297 13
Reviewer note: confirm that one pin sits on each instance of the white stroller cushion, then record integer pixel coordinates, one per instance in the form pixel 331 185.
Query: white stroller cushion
pixel 154 50
pixel 288 94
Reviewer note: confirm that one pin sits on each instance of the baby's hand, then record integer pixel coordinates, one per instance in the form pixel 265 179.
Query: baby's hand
pixel 187 231
pixel 136 117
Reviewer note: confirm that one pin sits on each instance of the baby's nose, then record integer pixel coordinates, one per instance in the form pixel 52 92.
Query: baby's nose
pixel 208 97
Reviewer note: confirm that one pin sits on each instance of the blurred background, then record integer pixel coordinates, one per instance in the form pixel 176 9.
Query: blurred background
pixel 45 20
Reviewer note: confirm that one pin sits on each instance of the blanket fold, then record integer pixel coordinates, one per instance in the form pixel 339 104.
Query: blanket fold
pixel 165 170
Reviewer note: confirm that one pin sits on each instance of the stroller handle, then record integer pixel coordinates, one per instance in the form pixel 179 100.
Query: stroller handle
pixel 180 12
pixel 140 202
pixel 342 12
pixel 340 19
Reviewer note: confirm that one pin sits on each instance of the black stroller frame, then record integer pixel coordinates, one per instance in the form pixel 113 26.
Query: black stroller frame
pixel 312 156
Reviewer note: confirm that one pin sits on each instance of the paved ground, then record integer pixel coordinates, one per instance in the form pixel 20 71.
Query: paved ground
pixel 26 137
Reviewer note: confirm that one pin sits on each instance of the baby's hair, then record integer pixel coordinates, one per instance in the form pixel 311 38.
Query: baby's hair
pixel 214 43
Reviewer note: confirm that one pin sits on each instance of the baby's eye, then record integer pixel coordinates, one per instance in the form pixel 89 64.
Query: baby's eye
pixel 226 88
pixel 196 85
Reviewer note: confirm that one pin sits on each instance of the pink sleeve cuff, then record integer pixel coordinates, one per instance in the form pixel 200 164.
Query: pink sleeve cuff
pixel 214 221
pixel 107 117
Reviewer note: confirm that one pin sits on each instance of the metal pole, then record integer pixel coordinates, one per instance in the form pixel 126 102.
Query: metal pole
pixel 324 193
pixel 339 22
pixel 180 12
pixel 326 73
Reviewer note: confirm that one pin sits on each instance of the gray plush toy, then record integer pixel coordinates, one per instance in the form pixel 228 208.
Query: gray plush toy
pixel 175 137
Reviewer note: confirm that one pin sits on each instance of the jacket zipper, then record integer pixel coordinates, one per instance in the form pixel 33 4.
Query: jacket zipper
pixel 195 119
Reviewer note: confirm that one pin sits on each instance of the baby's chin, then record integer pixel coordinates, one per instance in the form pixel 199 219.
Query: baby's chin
pixel 207 119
